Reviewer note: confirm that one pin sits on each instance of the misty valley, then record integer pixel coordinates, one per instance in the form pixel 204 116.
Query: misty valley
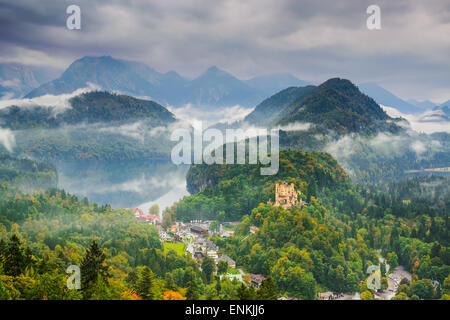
pixel 121 184
pixel 88 179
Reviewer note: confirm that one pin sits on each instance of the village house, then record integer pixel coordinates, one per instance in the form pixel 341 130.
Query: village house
pixel 227 259
pixel 173 228
pixel 197 230
pixel 256 280
pixel 150 218
pixel 204 247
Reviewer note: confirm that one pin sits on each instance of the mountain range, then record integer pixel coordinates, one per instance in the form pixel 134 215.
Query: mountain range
pixel 214 87
pixel 384 97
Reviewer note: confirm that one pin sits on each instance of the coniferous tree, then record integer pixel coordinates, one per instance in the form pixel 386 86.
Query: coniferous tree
pixel 222 267
pixel 92 267
pixel 145 284
pixel 244 293
pixel 267 290
pixel 192 292
pixel 132 278
pixel 208 268
pixel 170 283
pixel 15 257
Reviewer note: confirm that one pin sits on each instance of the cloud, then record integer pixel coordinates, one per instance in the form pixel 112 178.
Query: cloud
pixel 314 40
pixel 295 126
pixel 59 103
pixel 140 185
pixel 384 144
pixel 418 147
pixel 7 139
pixel 37 58
pixel 134 130
pixel 427 122
pixel 198 118
pixel 12 83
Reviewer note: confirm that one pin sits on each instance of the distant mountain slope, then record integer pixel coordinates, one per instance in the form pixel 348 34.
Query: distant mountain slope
pixel 91 107
pixel 384 97
pixel 337 104
pixel 106 72
pixel 445 104
pixel 216 87
pixel 17 80
pixel 439 113
pixel 426 104
pixel 273 83
pixel 270 108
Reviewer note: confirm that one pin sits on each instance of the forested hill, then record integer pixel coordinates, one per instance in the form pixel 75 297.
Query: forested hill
pixel 91 107
pixel 231 191
pixel 27 174
pixel 337 104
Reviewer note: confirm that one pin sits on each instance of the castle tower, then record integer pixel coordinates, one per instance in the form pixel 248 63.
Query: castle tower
pixel 285 195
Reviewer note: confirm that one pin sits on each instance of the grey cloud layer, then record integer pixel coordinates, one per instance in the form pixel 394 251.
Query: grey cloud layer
pixel 313 39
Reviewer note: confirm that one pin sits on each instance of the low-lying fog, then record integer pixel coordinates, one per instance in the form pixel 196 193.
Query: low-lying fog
pixel 124 184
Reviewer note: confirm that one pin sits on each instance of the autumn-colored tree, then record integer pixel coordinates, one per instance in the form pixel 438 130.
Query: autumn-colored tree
pixel 4 295
pixel 173 295
pixel 367 295
pixel 130 295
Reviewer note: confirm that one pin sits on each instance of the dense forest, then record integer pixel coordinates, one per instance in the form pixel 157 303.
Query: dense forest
pixel 328 244
pixel 229 191
pixel 27 174
pixel 43 233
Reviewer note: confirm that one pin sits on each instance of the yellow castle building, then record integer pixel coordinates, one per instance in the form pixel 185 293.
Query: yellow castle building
pixel 286 196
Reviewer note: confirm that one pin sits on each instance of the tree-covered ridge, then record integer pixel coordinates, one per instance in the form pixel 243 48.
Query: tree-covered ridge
pixel 27 174
pixel 268 110
pixel 91 107
pixel 337 104
pixel 97 126
pixel 231 191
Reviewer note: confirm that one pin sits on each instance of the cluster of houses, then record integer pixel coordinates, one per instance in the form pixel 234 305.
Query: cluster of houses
pixel 148 218
pixel 195 234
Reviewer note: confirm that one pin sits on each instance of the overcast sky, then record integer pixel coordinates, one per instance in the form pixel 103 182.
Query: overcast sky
pixel 312 39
